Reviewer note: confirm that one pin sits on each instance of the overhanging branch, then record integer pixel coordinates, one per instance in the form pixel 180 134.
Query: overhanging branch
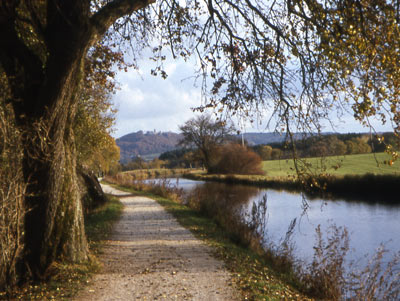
pixel 107 15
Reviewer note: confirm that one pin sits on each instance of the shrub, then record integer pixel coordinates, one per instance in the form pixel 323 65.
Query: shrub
pixel 220 204
pixel 160 187
pixel 237 159
pixel 264 151
pixel 325 277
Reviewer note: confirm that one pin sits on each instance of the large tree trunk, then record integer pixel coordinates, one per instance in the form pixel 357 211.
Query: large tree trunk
pixel 54 225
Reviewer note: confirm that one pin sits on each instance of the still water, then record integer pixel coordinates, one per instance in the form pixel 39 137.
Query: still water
pixel 369 225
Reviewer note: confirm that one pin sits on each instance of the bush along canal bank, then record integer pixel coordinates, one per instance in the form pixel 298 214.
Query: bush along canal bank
pixel 326 276
pixel 143 174
pixel 369 187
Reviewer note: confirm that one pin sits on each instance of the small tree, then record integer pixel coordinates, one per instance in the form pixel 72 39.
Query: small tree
pixel 237 159
pixel 205 134
pixel 264 151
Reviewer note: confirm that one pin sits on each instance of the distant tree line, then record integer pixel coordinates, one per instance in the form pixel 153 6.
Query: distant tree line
pixel 140 163
pixel 226 154
pixel 181 158
pixel 316 146
pixel 329 145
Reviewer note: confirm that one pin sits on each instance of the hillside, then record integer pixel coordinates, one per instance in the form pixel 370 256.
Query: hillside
pixel 146 144
pixel 149 143
pixel 262 138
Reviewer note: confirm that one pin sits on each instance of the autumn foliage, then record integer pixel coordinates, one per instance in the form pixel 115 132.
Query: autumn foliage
pixel 237 159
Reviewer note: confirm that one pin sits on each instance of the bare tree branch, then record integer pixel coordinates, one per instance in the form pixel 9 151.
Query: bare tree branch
pixel 107 15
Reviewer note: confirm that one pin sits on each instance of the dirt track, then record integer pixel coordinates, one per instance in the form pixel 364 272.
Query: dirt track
pixel 151 257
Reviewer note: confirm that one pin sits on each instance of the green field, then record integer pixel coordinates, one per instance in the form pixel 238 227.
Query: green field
pixel 338 165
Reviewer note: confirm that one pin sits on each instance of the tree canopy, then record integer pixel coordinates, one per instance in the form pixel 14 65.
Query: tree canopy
pixel 298 58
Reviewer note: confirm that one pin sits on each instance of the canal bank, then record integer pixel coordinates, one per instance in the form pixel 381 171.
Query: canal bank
pixel 249 204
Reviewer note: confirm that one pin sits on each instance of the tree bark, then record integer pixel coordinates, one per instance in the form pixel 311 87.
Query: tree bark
pixel 44 84
pixel 54 225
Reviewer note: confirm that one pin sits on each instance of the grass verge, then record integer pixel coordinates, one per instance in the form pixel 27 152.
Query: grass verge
pixel 99 223
pixel 64 280
pixel 252 274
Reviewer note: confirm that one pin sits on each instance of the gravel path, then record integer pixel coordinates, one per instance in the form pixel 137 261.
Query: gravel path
pixel 151 257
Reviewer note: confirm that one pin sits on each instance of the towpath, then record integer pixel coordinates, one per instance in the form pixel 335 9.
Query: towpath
pixel 150 256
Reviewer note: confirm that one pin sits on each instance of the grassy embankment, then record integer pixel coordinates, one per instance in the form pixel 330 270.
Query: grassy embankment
pixel 355 176
pixel 64 280
pixel 252 274
pixel 338 166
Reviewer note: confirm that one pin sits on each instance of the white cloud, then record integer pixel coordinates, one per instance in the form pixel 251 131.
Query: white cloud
pixel 145 102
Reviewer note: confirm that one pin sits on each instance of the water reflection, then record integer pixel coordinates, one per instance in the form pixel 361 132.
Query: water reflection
pixel 226 196
pixel 369 224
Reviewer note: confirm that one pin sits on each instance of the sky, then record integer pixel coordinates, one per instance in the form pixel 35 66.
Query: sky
pixel 145 102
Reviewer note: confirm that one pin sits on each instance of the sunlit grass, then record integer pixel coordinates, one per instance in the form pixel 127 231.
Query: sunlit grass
pixel 337 165
pixel 99 223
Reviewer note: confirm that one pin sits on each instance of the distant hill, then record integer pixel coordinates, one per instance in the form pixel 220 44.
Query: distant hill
pixel 262 138
pixel 146 144
pixel 151 144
